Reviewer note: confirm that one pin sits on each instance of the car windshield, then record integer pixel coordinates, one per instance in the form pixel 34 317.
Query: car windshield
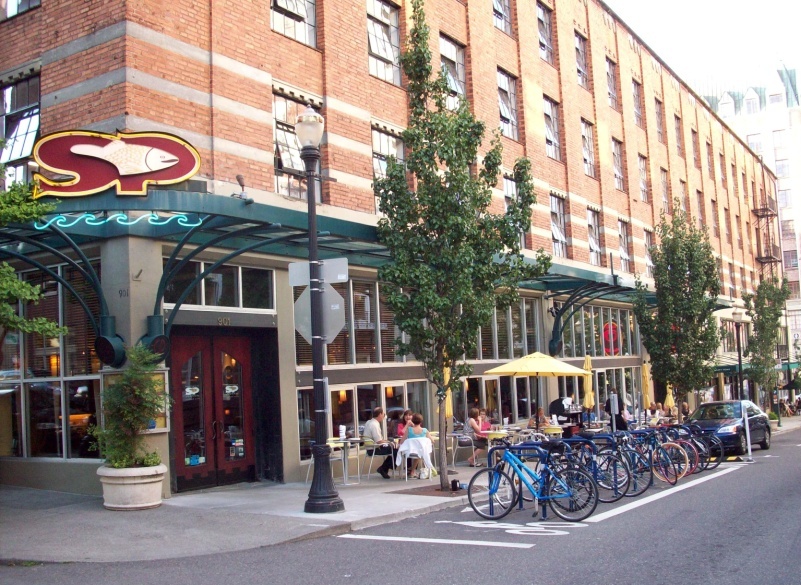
pixel 717 411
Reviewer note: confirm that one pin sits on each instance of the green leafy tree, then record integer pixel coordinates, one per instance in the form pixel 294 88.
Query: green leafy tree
pixel 680 332
pixel 764 307
pixel 17 206
pixel 453 259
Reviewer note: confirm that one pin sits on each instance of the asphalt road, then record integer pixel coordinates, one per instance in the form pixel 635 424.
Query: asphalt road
pixel 738 524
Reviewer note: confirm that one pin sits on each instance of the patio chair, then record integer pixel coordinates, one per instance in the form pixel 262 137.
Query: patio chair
pixel 371 447
pixel 337 454
pixel 462 442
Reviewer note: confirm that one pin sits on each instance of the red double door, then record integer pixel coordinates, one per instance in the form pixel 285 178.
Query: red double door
pixel 212 418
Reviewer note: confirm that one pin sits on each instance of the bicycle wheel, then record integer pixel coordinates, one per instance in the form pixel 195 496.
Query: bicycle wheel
pixel 693 458
pixel 715 451
pixel 572 494
pixel 679 457
pixel 663 467
pixel 702 446
pixel 613 478
pixel 642 474
pixel 491 494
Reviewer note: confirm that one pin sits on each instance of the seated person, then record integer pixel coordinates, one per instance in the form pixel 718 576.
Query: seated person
pixel 372 430
pixel 415 431
pixel 473 430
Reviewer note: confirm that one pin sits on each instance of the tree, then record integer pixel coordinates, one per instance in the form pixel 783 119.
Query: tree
pixel 765 309
pixel 18 206
pixel 453 260
pixel 680 332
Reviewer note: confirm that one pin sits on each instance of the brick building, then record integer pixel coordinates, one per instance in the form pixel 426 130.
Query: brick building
pixel 613 135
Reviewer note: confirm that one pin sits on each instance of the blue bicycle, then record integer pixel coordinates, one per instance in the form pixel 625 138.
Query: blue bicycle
pixel 570 492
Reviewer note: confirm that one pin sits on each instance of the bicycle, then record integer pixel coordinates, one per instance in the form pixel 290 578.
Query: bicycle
pixel 662 462
pixel 571 493
pixel 640 468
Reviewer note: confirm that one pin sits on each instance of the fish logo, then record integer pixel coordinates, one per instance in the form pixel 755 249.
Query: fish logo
pixel 95 161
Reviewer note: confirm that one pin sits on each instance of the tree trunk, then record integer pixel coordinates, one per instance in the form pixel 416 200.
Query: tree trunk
pixel 443 447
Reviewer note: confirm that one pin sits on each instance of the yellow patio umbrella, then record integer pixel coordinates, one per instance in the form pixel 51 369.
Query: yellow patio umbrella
pixel 448 397
pixel 536 364
pixel 589 395
pixel 646 384
pixel 669 402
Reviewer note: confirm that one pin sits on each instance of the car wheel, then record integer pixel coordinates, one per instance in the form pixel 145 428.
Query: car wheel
pixel 765 444
pixel 742 444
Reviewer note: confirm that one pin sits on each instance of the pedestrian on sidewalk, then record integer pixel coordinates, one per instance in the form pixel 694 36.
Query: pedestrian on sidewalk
pixel 373 430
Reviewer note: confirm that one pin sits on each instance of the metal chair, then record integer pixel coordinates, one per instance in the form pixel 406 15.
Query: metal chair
pixel 371 447
pixel 337 454
pixel 462 442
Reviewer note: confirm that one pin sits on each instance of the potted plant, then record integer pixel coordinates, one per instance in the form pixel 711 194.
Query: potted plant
pixel 774 420
pixel 132 476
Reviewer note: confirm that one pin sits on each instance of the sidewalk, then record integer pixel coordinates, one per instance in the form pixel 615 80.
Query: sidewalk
pixel 52 526
pixel 59 527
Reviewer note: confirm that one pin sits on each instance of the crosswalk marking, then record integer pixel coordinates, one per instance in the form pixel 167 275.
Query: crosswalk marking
pixel 438 540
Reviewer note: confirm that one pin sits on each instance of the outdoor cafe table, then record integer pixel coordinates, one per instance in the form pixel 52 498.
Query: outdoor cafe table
pixel 346 444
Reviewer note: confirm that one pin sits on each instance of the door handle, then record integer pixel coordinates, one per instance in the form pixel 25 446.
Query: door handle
pixel 214 430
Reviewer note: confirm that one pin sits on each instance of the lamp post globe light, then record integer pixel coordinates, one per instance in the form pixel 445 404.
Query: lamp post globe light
pixel 323 497
pixel 737 317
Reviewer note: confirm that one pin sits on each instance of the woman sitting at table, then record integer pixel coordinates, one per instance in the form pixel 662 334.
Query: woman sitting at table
pixel 539 420
pixel 473 430
pixel 415 430
pixel 405 421
pixel 484 419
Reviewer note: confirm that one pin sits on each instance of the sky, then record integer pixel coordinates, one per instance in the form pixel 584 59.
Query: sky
pixel 717 43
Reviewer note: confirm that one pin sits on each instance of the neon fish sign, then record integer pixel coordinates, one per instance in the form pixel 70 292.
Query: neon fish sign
pixel 94 161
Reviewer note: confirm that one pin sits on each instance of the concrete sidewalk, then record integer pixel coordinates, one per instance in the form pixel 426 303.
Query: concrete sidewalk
pixel 52 526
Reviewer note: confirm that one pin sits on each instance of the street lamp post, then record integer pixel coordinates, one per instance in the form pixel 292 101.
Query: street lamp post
pixel 323 497
pixel 737 316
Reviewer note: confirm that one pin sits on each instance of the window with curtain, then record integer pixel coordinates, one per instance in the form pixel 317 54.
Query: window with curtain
pixel 558 237
pixel 295 19
pixel 507 104
pixel 553 142
pixel 545 27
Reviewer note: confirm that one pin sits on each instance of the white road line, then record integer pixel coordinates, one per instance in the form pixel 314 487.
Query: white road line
pixel 438 541
pixel 644 502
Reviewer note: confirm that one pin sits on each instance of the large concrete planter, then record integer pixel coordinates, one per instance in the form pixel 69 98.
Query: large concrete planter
pixel 132 488
pixel 774 424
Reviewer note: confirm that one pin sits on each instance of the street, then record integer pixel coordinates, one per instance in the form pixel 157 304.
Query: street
pixel 735 525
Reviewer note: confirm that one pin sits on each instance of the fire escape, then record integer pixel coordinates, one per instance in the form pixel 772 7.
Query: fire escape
pixel 769 252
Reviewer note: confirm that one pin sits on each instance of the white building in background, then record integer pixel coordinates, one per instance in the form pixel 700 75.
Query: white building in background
pixel 768 118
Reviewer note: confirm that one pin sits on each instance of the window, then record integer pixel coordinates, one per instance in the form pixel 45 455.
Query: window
pixel 14 7
pixel 795 293
pixel 663 178
pixel 715 219
pixel 679 136
pixel 502 15
pixel 727 224
pixel 683 195
pixel 553 143
pixel 739 225
pixel 611 83
pixel 751 105
pixel 732 289
pixel 509 196
pixel 588 148
pixel 743 284
pixel 452 63
pixel 507 103
pixel 642 164
pixel 545 23
pixel 289 168
pixel 782 168
pixel 755 142
pixel 19 127
pixel 226 286
pixel 383 36
pixel 660 120
pixel 726 107
pixel 649 263
pixel 788 228
pixel 784 198
pixel 745 189
pixel 617 163
pixel 710 161
pixel 734 179
pixel 775 99
pixel 625 258
pixel 581 62
pixel 696 149
pixel 385 146
pixel 558 227
pixel 790 259
pixel 699 200
pixel 636 91
pixel 723 171
pixel 296 19
pixel 779 139
pixel 594 236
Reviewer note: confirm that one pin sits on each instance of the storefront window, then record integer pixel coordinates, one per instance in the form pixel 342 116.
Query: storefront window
pixel 179 283
pixel 487 352
pixel 460 405
pixel 257 289
pixel 220 287
pixel 394 400
pixel 364 320
pixel 368 398
pixel 306 415
pixel 42 354
pixel 522 399
pixel 10 419
pixel 506 399
pixel 588 331
pixel 82 408
pixel 625 331
pixel 517 331
pixel 418 401
pixel 531 309
pixel 193 408
pixel 502 318
pixel 389 331
pixel 491 399
pixel 44 419
pixel 79 355
pixel 342 411
pixel 339 347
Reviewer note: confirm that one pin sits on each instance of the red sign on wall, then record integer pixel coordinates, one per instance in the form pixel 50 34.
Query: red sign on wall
pixel 94 162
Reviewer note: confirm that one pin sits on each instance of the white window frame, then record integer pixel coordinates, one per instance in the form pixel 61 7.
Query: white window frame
pixel 594 236
pixel 452 63
pixel 545 27
pixel 611 84
pixel 642 162
pixel 502 15
pixel 296 19
pixel 383 40
pixel 507 104
pixel 617 164
pixel 649 262
pixel 659 107
pixel 636 91
pixel 553 142
pixel 558 237
pixel 665 181
pixel 588 147
pixel 19 127
pixel 582 69
pixel 623 246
